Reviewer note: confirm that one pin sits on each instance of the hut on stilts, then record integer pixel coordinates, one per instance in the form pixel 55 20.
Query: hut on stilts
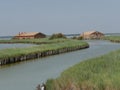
pixel 92 35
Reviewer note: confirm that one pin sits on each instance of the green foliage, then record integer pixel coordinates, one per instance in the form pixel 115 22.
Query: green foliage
pixel 74 37
pixel 101 73
pixel 49 86
pixel 78 38
pixel 58 35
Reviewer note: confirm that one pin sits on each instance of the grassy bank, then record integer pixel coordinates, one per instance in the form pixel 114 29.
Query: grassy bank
pixel 101 73
pixel 113 38
pixel 19 54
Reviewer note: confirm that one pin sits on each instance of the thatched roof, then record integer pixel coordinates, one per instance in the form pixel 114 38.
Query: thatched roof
pixel 91 32
pixel 27 33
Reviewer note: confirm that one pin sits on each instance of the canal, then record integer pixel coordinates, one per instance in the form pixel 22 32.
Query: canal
pixel 28 74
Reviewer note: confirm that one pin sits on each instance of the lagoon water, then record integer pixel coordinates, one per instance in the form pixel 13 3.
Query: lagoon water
pixel 28 74
pixel 5 46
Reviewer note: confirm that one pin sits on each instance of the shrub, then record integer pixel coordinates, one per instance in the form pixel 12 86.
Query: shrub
pixel 74 37
pixel 58 35
pixel 78 38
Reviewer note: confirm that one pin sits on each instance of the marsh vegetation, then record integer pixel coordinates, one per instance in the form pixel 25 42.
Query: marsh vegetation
pixel 112 38
pixel 101 73
pixel 55 46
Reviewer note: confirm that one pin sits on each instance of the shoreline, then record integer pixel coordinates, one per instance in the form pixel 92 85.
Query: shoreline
pixel 14 59
pixel 115 39
pixel 99 73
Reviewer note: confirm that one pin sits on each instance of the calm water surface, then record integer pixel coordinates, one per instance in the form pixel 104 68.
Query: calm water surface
pixel 27 75
pixel 5 46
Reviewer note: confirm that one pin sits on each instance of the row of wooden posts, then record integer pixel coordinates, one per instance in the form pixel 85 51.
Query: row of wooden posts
pixel 36 55
pixel 116 41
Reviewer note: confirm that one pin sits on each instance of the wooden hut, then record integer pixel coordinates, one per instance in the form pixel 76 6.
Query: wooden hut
pixel 92 35
pixel 29 35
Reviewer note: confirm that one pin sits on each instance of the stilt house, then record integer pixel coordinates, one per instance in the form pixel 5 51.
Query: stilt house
pixel 92 35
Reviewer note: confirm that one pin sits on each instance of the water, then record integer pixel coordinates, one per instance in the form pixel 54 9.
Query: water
pixel 6 37
pixel 27 75
pixel 5 46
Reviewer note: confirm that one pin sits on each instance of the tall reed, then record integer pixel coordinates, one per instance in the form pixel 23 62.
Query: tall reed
pixel 101 73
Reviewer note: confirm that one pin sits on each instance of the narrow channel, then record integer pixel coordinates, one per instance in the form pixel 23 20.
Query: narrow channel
pixel 28 74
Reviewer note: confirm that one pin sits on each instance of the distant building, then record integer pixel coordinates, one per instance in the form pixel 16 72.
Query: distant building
pixel 92 35
pixel 29 35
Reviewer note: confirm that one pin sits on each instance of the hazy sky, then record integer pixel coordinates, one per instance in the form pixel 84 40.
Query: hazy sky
pixel 53 16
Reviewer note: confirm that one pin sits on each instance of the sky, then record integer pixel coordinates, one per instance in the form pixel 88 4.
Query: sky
pixel 59 16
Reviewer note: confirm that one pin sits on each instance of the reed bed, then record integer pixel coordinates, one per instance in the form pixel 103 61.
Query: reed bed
pixel 113 38
pixel 101 73
pixel 13 55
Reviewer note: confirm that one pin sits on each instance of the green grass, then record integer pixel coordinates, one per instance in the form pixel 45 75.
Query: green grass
pixel 112 38
pixel 101 73
pixel 63 43
pixel 35 41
